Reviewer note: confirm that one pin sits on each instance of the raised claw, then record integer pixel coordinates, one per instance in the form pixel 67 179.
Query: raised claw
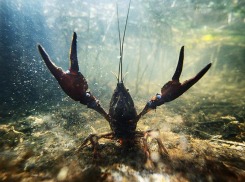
pixel 72 81
pixel 173 89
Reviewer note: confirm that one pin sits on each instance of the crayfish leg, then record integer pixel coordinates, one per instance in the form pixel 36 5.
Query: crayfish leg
pixel 144 135
pixel 93 139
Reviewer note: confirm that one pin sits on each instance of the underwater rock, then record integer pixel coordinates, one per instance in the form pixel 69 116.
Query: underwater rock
pixel 234 131
pixel 11 138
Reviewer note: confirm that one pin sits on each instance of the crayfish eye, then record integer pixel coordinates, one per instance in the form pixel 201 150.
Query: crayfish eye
pixel 87 94
pixel 158 96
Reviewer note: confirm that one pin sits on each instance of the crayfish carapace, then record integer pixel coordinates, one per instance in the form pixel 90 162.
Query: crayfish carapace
pixel 122 116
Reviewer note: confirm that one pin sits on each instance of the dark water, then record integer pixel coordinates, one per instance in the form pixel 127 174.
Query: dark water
pixel 40 126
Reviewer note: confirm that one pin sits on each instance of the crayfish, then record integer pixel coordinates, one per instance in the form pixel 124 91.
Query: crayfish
pixel 122 116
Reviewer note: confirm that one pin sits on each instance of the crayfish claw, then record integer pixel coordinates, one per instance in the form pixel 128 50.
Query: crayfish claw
pixel 74 68
pixel 188 83
pixel 71 81
pixel 179 68
pixel 56 71
pixel 173 89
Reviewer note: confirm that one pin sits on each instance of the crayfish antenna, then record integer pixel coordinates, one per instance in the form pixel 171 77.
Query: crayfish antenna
pixel 124 76
pixel 121 43
pixel 114 74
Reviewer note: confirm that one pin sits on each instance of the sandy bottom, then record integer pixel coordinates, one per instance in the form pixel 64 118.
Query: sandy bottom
pixel 204 136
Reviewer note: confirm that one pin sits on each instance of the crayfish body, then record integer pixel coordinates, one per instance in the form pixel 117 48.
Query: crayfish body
pixel 122 111
pixel 122 116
